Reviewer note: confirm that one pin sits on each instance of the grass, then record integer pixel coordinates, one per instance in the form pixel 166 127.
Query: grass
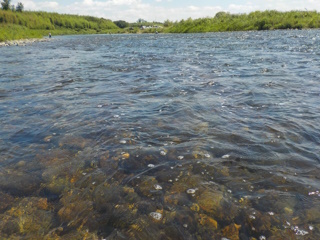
pixel 21 25
pixel 266 20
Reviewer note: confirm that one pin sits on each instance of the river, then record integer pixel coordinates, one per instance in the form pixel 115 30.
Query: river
pixel 167 136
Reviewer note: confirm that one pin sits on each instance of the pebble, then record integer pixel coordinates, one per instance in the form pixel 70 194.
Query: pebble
pixel 163 153
pixel 22 42
pixel 301 232
pixel 157 187
pixel 155 215
pixel 151 165
pixel 180 157
pixel 47 139
pixel 207 155
pixel 21 163
pixel 314 193
pixel 191 191
pixel 123 141
pixel 298 231
pixel 225 156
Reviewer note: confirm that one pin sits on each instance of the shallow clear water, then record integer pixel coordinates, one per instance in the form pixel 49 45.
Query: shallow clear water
pixel 192 136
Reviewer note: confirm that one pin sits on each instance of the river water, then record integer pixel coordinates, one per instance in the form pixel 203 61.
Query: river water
pixel 195 136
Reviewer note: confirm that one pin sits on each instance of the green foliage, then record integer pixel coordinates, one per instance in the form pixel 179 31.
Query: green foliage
pixel 13 32
pixel 26 24
pixel 147 24
pixel 121 24
pixel 140 20
pixel 257 20
pixel 49 21
pixel 167 23
pixel 19 7
pixel 42 22
pixel 5 5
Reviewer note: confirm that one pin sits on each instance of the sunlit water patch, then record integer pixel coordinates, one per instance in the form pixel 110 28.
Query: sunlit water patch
pixel 196 136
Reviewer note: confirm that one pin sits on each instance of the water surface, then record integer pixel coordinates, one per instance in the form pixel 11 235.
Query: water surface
pixel 196 136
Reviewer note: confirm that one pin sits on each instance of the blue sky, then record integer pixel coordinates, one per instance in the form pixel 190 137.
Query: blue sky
pixel 160 10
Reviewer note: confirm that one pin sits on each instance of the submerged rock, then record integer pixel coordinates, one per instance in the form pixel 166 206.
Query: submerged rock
pixel 19 183
pixel 208 221
pixel 231 232
pixel 211 202
pixel 147 185
pixel 313 214
pixel 185 182
pixel 6 200
pixel 74 142
pixel 29 217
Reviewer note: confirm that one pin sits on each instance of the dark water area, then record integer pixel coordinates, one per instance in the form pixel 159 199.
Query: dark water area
pixel 195 136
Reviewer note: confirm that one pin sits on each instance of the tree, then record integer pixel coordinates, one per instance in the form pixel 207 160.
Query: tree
pixel 140 20
pixel 19 7
pixel 121 24
pixel 221 15
pixel 167 23
pixel 5 5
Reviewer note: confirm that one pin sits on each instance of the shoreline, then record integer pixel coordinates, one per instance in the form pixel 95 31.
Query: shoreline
pixel 22 42
pixel 28 41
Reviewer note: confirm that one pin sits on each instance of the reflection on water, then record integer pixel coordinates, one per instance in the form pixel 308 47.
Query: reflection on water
pixel 198 136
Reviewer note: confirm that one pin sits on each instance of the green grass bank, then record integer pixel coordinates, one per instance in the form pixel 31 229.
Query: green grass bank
pixel 266 20
pixel 22 25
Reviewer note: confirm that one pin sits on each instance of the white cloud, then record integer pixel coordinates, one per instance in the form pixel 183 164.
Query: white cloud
pixel 235 8
pixel 44 6
pixel 87 2
pixel 51 4
pixel 125 2
pixel 131 10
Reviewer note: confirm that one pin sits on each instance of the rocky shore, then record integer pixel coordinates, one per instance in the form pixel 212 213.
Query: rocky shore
pixel 22 42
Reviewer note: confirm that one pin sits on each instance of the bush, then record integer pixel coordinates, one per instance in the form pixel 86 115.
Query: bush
pixel 121 24
pixel 253 21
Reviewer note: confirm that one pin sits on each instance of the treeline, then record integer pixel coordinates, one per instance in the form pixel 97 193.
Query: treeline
pixel 51 21
pixel 31 22
pixel 266 20
pixel 18 25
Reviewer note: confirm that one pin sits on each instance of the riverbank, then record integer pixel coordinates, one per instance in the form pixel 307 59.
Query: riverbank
pixel 23 42
pixel 27 25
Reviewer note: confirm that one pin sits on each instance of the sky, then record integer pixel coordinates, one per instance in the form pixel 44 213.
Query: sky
pixel 161 10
